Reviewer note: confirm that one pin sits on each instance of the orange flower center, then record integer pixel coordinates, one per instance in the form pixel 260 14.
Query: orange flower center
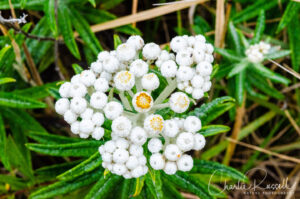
pixel 143 100
pixel 157 123
pixel 124 77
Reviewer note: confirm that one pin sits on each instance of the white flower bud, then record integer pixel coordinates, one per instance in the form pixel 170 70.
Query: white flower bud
pixel 83 135
pixel 87 114
pixel 113 110
pixel 137 172
pixel 197 93
pixel 62 105
pixel 168 68
pixel 132 162
pixel 198 55
pixel 191 40
pixel 136 42
pixel 155 145
pixel 98 119
pixel 121 126
pixel 150 81
pixel 197 81
pixel 87 77
pixel 78 105
pixel 75 79
pixel 185 141
pixel 125 52
pixel 106 157
pixel 164 56
pixel 75 127
pixel 209 58
pixel 192 124
pixel 102 56
pixel 142 102
pixel 204 68
pixel 110 64
pixel 98 100
pixel 185 73
pixel 97 67
pixel 119 169
pixel 157 161
pixel 206 86
pixel 110 146
pixel 178 43
pixel 154 124
pixel 78 90
pixel 199 141
pixel 189 90
pixel 120 156
pixel 64 89
pixel 200 38
pixel 70 116
pixel 139 67
pixel 185 163
pixel 106 75
pixel 209 48
pixel 127 175
pixel 171 128
pixel 86 126
pixel 184 58
pixel 172 152
pixel 101 149
pixel 101 84
pixel 138 135
pixel 136 150
pixel 170 168
pixel 98 133
pixel 142 160
pixel 124 80
pixel 179 102
pixel 151 51
pixel 121 143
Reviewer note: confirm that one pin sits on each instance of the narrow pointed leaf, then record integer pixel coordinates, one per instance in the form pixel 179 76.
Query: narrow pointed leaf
pixel 277 54
pixel 235 38
pixel 117 41
pixel 260 27
pixel 3 156
pixel 238 68
pixel 227 54
pixel 290 12
pixel 154 183
pixel 46 138
pixel 77 69
pixel 294 42
pixel 5 80
pixel 49 10
pixel 79 149
pixel 211 130
pixel 240 87
pixel 18 101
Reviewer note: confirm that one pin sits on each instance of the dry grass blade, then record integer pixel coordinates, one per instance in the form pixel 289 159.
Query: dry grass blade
pixel 292 121
pixel 144 15
pixel 134 9
pixel 284 157
pixel 220 21
pixel 286 68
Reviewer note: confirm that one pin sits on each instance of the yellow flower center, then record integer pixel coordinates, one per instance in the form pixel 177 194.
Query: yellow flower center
pixel 182 102
pixel 143 100
pixel 157 123
pixel 124 77
pixel 149 76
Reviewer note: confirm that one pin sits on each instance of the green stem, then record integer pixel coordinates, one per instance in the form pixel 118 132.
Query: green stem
pixel 179 23
pixel 166 92
pixel 125 101
pixel 138 84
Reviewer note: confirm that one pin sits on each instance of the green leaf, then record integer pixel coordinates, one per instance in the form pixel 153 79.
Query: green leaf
pixel 65 27
pixel 16 158
pixel 3 53
pixel 14 182
pixel 228 54
pixel 262 70
pixel 189 183
pixel 262 85
pixel 117 41
pixel 294 42
pixel 126 188
pixel 211 130
pixel 31 5
pixel 56 169
pixel 5 80
pixel 238 68
pixel 290 12
pixel 23 3
pixel 46 138
pixel 84 30
pixel 86 166
pixel 93 2
pixel 103 186
pixel 210 111
pixel 77 69
pixel 170 190
pixel 240 87
pixel 18 101
pixel 260 27
pixel 49 10
pixel 62 187
pixel 78 149
pixel 215 168
pixel 253 10
pixel 277 54
pixel 235 38
pixel 3 157
pixel 37 92
pixel 154 183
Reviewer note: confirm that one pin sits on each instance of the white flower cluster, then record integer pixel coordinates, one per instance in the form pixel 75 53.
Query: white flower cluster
pixel 180 136
pixel 118 87
pixel 255 53
pixel 191 65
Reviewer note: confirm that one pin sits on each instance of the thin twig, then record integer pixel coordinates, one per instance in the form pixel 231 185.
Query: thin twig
pixel 292 121
pixel 286 68
pixel 134 9
pixel 281 156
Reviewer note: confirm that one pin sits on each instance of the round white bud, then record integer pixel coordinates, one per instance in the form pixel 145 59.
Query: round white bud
pixel 113 110
pixel 110 64
pixel 98 119
pixel 155 145
pixel 185 73
pixel 106 75
pixel 87 77
pixel 170 168
pixel 197 93
pixel 98 133
pixel 119 169
pixel 75 127
pixel 120 156
pixel 168 68
pixel 137 172
pixel 136 42
pixel 179 102
pixel 132 162
pixel 78 105
pixel 121 126
pixel 125 52
pixel 87 114
pixel 106 157
pixel 192 124
pixel 199 141
pixel 110 146
pixel 204 68
pixel 138 135
pixel 206 86
pixel 86 126
pixel 157 161
pixel 98 100
pixel 139 67
pixel 75 79
pixel 70 116
pixel 184 58
pixel 171 128
pixel 101 84
pixel 122 143
pixel 150 81
pixel 185 163
pixel 78 90
pixel 151 51
pixel 178 43
pixel 102 56
pixel 198 55
pixel 62 105
pixel 64 89
pixel 97 67
pixel 197 81
pixel 154 124
pixel 185 141
pixel 136 150
pixel 172 152
pixel 124 80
